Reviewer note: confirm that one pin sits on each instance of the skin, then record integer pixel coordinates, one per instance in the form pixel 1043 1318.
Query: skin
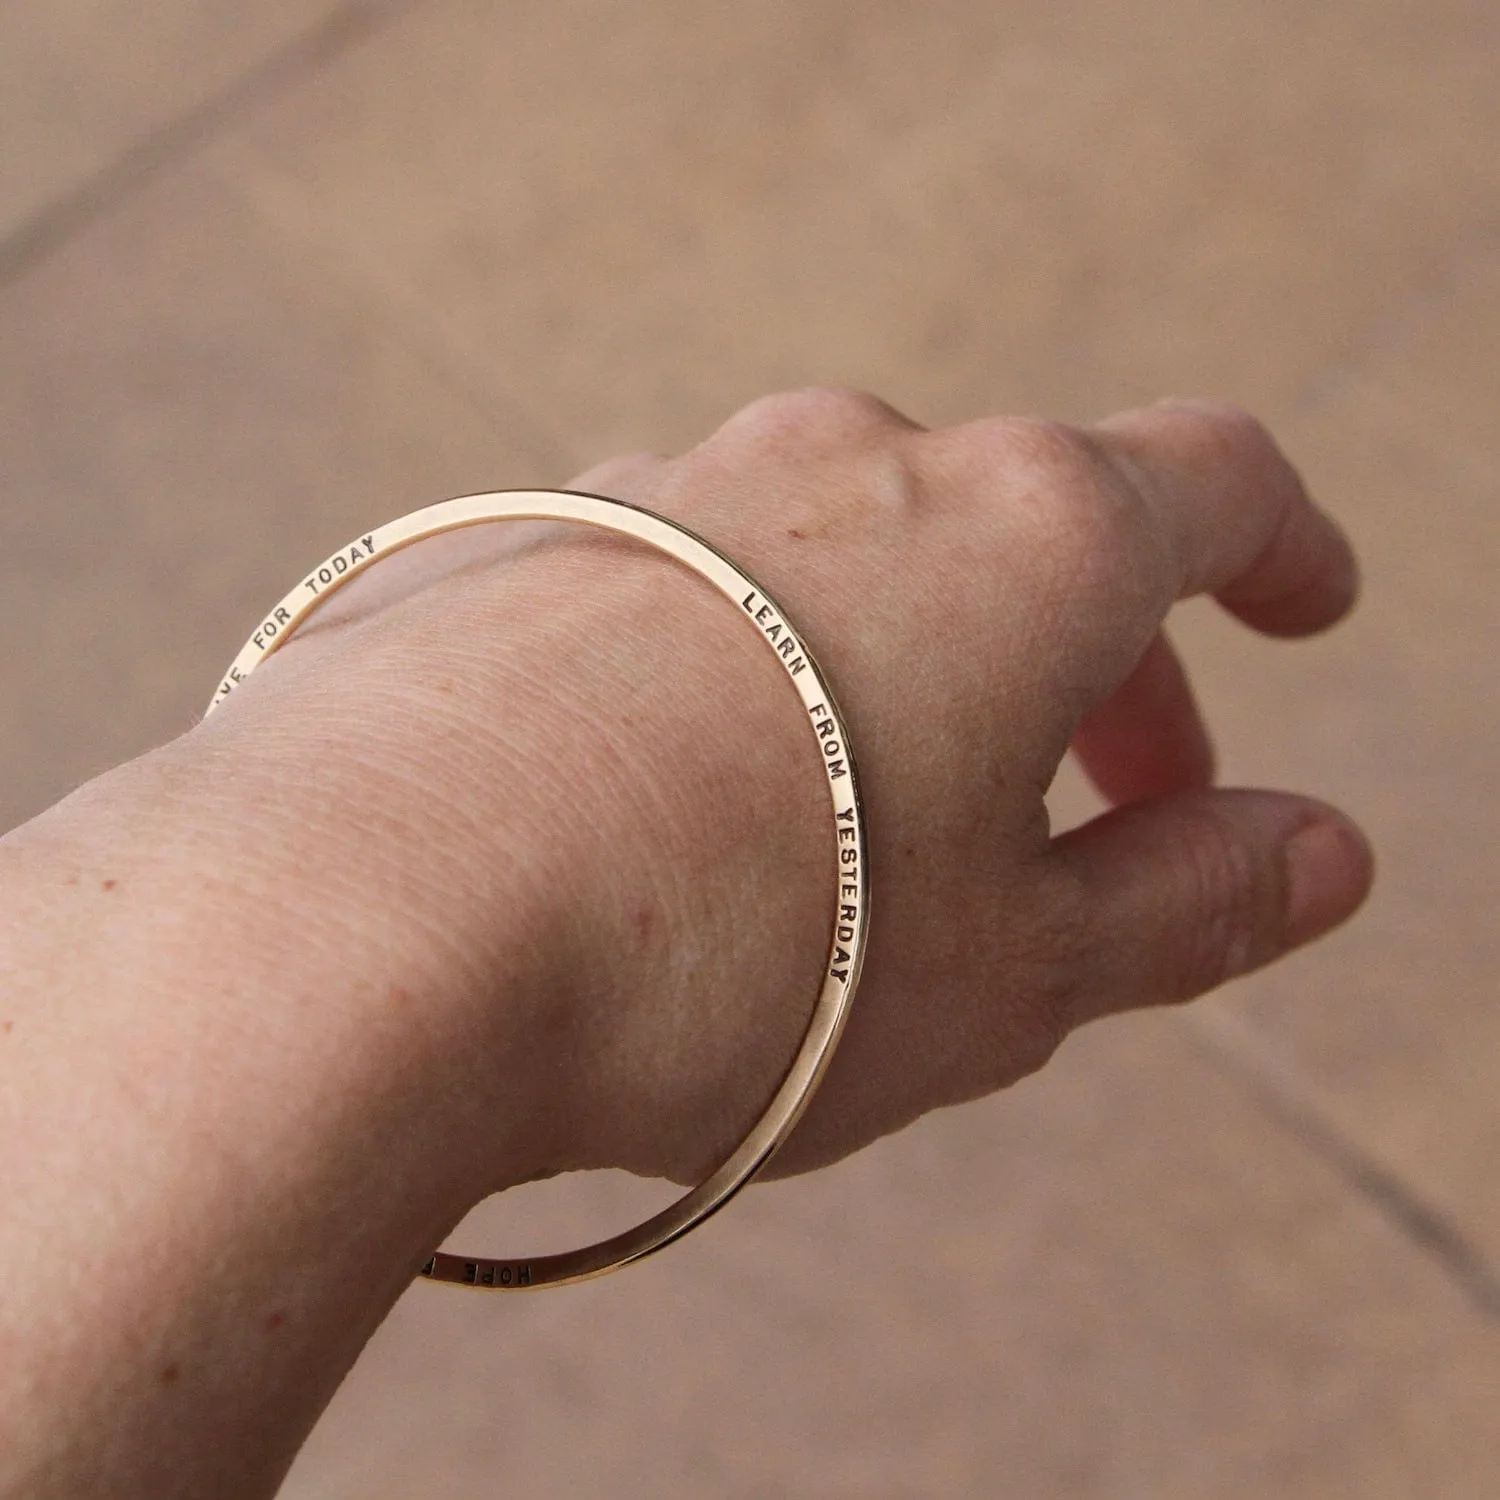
pixel 516 859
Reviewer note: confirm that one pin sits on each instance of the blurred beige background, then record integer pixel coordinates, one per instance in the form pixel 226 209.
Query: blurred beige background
pixel 270 273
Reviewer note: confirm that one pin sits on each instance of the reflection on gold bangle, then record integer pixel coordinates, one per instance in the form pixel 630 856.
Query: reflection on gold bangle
pixel 846 951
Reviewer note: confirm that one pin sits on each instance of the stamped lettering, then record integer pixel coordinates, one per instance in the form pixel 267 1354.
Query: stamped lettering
pixel 336 567
pixel 786 646
pixel 851 873
pixel 492 1273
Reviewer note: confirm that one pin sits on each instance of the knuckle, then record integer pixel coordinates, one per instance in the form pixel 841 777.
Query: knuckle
pixel 813 413
pixel 1223 420
pixel 1092 523
pixel 1055 475
pixel 829 454
pixel 1037 446
pixel 1233 899
pixel 1046 446
pixel 1230 438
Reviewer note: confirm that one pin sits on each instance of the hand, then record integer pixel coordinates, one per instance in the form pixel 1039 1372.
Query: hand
pixel 981 598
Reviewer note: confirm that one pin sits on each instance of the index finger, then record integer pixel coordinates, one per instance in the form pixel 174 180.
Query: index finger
pixel 1237 512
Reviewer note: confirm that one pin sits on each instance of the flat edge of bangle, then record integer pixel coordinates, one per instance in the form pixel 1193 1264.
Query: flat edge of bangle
pixel 845 960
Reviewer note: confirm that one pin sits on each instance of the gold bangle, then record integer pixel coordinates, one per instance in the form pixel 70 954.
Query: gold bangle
pixel 846 952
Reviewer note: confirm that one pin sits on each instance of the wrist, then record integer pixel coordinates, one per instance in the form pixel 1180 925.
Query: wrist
pixel 611 806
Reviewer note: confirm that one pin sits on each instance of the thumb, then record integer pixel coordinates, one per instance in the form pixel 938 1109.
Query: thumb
pixel 1184 892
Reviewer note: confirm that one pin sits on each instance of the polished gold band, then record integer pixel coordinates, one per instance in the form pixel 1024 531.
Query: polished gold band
pixel 846 952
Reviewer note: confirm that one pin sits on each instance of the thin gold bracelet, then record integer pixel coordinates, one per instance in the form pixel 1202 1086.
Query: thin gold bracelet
pixel 846 952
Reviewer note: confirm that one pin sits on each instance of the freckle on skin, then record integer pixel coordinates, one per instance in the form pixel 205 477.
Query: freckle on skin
pixel 643 921
pixel 796 536
pixel 169 1374
pixel 109 885
pixel 8 1027
pixel 275 1321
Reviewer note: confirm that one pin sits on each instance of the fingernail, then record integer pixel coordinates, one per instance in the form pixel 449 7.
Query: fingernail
pixel 1328 869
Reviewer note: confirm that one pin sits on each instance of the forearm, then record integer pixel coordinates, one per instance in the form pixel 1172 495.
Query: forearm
pixel 224 1146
